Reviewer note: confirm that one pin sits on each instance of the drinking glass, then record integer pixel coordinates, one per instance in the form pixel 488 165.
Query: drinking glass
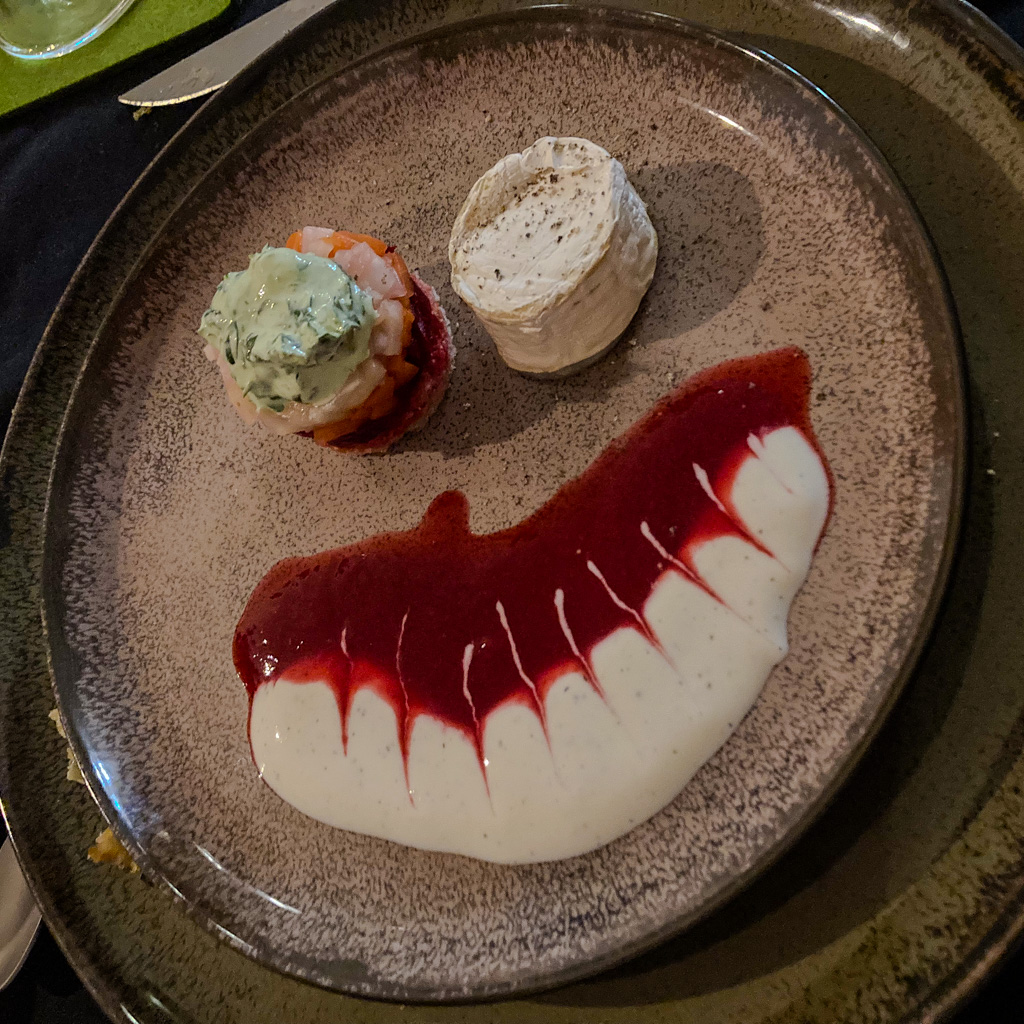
pixel 37 29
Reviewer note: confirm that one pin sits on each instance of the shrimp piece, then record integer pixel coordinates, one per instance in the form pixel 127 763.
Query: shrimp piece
pixel 388 337
pixel 371 272
pixel 317 241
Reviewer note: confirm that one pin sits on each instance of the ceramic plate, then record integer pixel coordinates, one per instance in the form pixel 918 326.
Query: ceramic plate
pixel 779 225
pixel 894 904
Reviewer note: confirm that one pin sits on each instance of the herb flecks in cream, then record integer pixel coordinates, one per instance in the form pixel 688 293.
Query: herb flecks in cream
pixel 292 327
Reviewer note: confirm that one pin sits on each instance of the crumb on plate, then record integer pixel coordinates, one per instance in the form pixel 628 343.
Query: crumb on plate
pixel 106 849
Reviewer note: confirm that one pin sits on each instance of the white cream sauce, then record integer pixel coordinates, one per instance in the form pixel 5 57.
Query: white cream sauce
pixel 608 763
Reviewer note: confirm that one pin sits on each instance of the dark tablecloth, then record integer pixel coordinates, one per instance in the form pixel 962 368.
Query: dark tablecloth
pixel 64 165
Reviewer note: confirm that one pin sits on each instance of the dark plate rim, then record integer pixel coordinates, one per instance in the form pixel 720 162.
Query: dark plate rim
pixel 996 49
pixel 51 609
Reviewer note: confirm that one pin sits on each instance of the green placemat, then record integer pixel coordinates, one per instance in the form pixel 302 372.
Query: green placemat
pixel 146 24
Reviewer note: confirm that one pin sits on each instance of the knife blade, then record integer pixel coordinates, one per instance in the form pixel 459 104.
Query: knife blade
pixel 19 916
pixel 211 67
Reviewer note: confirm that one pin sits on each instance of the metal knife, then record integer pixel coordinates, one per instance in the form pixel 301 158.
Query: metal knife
pixel 209 68
pixel 19 916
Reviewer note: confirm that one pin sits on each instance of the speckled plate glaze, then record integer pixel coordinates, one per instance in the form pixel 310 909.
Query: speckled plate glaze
pixel 778 224
pixel 910 886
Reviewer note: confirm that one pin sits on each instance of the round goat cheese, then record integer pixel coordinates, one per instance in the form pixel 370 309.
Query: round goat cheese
pixel 553 250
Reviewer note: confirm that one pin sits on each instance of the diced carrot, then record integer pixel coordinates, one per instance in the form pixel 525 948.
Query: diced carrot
pixel 399 370
pixel 347 239
pixel 382 400
pixel 295 241
pixel 378 404
pixel 408 319
pixel 349 422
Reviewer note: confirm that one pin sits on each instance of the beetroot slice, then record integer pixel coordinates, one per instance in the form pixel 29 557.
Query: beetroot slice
pixel 432 351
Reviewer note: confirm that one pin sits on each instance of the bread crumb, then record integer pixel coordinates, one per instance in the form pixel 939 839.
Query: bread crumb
pixel 55 718
pixel 108 850
pixel 74 773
